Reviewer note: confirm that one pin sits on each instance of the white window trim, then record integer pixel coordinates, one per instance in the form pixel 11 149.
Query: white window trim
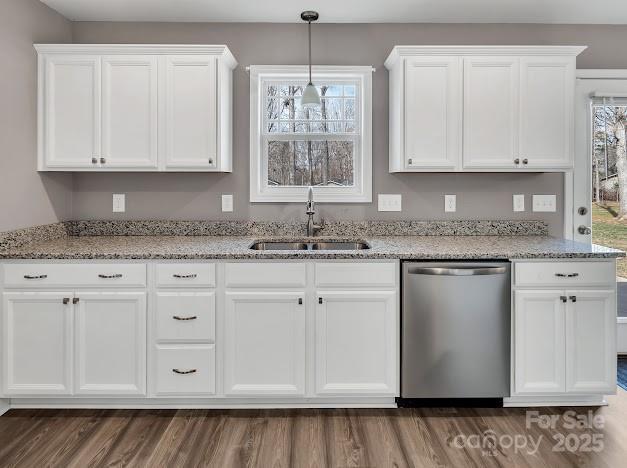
pixel 361 191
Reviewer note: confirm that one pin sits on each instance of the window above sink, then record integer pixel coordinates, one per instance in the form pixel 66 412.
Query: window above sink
pixel 327 147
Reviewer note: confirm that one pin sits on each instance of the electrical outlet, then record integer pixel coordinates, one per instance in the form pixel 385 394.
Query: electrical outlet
pixel 519 202
pixel 450 203
pixel 390 202
pixel 119 203
pixel 227 203
pixel 545 203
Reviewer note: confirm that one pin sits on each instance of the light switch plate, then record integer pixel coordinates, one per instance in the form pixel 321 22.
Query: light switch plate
pixel 227 203
pixel 450 203
pixel 388 202
pixel 545 203
pixel 519 202
pixel 119 203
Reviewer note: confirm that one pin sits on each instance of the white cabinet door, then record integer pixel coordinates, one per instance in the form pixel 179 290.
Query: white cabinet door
pixel 432 112
pixel 71 112
pixel 37 343
pixel 264 343
pixel 490 117
pixel 546 112
pixel 110 343
pixel 591 342
pixel 191 112
pixel 129 112
pixel 539 337
pixel 356 342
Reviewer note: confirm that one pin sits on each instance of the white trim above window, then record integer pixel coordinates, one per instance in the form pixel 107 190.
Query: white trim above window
pixel 352 130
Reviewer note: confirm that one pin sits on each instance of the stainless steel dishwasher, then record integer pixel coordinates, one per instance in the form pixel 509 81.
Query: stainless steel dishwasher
pixel 455 330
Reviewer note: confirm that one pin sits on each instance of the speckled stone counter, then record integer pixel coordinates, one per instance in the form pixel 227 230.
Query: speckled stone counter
pixel 238 247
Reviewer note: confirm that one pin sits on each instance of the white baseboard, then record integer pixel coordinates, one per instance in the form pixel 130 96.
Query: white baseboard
pixel 187 403
pixel 577 400
pixel 4 406
pixel 621 335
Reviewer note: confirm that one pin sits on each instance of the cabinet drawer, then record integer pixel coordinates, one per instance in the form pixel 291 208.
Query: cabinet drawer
pixel 185 370
pixel 553 274
pixel 364 274
pixel 45 275
pixel 259 275
pixel 181 275
pixel 185 316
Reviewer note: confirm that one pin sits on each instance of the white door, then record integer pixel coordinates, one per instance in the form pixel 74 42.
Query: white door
pixel 110 343
pixel 539 342
pixel 264 343
pixel 490 117
pixel 546 112
pixel 591 342
pixel 129 112
pixel 191 112
pixel 37 343
pixel 356 342
pixel 433 106
pixel 72 112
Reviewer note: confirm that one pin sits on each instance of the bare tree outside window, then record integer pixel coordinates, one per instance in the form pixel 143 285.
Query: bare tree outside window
pixel 311 146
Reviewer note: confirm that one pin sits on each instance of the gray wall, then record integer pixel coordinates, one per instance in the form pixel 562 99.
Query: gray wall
pixel 197 196
pixel 26 197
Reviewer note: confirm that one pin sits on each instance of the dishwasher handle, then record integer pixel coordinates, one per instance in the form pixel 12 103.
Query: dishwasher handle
pixel 473 271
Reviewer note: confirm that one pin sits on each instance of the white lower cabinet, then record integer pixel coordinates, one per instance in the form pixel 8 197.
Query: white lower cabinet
pixel 110 343
pixel 265 343
pixel 185 370
pixel 37 343
pixel 356 345
pixel 565 341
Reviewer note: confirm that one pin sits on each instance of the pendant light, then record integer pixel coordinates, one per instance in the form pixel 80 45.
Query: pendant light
pixel 311 98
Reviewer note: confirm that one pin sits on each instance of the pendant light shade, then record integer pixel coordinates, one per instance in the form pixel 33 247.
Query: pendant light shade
pixel 311 98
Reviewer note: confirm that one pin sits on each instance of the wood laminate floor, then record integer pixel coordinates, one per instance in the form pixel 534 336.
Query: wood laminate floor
pixel 315 438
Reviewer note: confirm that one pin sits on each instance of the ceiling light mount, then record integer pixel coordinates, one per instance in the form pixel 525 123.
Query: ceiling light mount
pixel 309 16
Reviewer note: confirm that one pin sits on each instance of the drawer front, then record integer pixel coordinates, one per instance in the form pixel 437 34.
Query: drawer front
pixel 559 274
pixel 360 274
pixel 186 275
pixel 45 275
pixel 259 275
pixel 185 316
pixel 185 370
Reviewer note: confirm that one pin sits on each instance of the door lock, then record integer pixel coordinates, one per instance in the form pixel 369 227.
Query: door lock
pixel 584 230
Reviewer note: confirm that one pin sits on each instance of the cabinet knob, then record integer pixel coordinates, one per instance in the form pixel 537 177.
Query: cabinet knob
pixel 319 300
pixel 211 161
pixel 563 298
pixel 525 161
pixel 75 300
pixel 573 298
pixel 103 160
pixel 300 301
pixel 94 160
pixel 410 161
pixel 517 161
pixel 66 300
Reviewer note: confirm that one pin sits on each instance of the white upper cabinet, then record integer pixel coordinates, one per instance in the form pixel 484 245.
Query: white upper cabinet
pixel 129 112
pixel 490 112
pixel 471 108
pixel 546 111
pixel 432 107
pixel 69 111
pixel 191 112
pixel 135 108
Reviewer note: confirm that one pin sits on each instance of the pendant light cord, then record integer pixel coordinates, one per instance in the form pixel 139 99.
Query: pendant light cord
pixel 309 29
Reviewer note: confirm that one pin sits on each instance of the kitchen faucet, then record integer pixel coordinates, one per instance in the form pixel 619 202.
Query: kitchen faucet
pixel 312 227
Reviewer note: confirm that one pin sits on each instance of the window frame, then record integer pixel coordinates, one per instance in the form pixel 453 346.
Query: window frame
pixel 361 190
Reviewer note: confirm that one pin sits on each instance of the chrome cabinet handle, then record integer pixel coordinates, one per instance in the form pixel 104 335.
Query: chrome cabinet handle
pixel 193 275
pixel 117 275
pixel 563 298
pixel 31 277
pixel 176 317
pixel 75 300
pixel 181 372
pixel 66 300
pixel 573 298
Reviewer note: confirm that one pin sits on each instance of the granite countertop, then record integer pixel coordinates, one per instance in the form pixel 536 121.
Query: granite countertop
pixel 237 247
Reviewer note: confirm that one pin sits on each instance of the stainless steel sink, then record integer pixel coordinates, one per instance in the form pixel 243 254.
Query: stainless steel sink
pixel 321 245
